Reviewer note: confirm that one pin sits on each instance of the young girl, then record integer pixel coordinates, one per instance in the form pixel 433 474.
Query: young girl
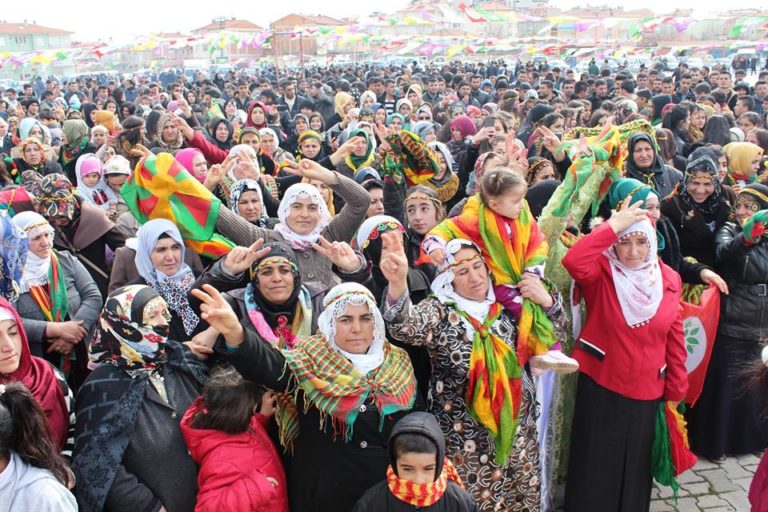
pixel 90 186
pixel 499 221
pixel 227 436
pixel 32 474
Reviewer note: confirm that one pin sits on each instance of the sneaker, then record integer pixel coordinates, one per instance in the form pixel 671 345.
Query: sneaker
pixel 556 361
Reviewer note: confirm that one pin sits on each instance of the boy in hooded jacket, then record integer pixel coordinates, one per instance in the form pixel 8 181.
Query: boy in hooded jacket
pixel 420 476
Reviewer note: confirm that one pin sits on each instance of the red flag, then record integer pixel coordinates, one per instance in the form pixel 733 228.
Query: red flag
pixel 700 328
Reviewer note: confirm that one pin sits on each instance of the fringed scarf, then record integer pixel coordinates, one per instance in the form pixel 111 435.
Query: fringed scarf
pixel 355 162
pixel 69 154
pixel 422 495
pixel 494 391
pixel 754 228
pixel 670 453
pixel 510 247
pixel 409 158
pixel 162 188
pixel 53 301
pixel 332 384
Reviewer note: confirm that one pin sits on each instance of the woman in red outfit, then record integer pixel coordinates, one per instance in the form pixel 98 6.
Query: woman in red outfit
pixel 239 465
pixel 631 355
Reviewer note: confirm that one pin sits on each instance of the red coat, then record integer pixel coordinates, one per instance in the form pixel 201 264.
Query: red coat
pixel 234 468
pixel 644 363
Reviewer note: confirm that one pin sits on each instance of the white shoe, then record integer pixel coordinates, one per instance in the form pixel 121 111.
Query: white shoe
pixel 555 361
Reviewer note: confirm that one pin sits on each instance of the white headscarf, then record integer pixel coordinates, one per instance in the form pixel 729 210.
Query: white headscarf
pixel 36 269
pixel 443 289
pixel 639 289
pixel 293 239
pixel 247 149
pixel 335 304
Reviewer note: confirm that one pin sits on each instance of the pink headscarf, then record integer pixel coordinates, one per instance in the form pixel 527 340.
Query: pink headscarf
pixel 185 157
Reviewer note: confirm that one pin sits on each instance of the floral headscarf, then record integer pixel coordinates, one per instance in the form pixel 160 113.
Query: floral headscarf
pixel 248 185
pixel 124 338
pixel 56 198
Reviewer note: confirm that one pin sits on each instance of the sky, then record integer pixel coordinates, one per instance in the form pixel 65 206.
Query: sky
pixel 146 16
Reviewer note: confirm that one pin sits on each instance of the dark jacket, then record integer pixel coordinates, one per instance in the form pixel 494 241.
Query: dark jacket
pixel 744 311
pixel 697 240
pixel 326 474
pixel 129 452
pixel 379 499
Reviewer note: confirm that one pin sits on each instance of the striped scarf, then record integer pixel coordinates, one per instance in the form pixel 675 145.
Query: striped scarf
pixel 53 303
pixel 422 495
pixel 331 384
pixel 755 227
pixel 409 158
pixel 494 391
pixel 510 248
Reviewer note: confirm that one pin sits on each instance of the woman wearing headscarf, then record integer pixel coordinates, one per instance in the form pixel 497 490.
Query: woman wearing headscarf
pixel 59 302
pixel 445 182
pixel 168 138
pixel 247 201
pixel 473 344
pixel 644 164
pixel 6 138
pixel 81 228
pixel 48 386
pixel 129 451
pixel 304 218
pixel 193 160
pixel 343 103
pixel 129 140
pixel 32 156
pixel 632 300
pixel 220 133
pixel 726 420
pixel 257 116
pixel 743 163
pixel 363 154
pixel 74 144
pixel 699 207
pixel 160 254
pixel 269 145
pixel 348 374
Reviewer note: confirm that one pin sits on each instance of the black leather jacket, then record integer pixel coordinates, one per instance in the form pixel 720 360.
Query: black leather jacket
pixel 744 312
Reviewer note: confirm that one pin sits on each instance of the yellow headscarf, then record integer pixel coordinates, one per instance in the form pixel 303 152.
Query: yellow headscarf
pixel 341 99
pixel 740 156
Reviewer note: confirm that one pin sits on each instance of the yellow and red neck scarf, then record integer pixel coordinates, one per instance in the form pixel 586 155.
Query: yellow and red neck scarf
pixel 422 495
pixel 494 391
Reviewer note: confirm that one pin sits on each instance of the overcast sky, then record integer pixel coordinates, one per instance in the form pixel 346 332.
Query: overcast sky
pixel 145 16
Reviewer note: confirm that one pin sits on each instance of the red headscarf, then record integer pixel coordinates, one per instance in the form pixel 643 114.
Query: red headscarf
pixel 249 122
pixel 40 378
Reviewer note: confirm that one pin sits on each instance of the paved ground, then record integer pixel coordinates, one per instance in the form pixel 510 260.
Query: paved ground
pixel 710 487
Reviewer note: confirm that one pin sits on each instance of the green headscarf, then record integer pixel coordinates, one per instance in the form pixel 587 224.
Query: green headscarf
pixel 75 130
pixel 355 162
pixel 638 191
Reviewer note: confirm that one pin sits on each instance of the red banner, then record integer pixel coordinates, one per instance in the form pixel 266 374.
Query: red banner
pixel 700 328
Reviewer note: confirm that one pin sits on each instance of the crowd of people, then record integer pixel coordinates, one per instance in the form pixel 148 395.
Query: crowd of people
pixel 375 288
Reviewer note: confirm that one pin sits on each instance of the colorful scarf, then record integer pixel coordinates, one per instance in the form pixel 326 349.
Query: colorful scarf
pixel 332 384
pixel 409 158
pixel 740 156
pixel 494 391
pixel 355 162
pixel 670 453
pixel 124 338
pixel 54 302
pixel 76 132
pixel 13 257
pixel 422 495
pixel 160 187
pixel 282 335
pixel 511 247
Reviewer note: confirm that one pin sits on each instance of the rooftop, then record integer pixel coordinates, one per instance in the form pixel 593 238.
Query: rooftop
pixel 30 28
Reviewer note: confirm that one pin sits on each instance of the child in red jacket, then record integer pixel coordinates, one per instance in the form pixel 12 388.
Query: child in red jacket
pixel 240 469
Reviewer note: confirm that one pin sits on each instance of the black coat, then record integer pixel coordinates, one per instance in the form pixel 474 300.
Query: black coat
pixel 744 311
pixel 327 473
pixel 696 238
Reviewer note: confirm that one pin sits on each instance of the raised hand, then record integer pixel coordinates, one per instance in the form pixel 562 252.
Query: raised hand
pixel 437 256
pixel 341 254
pixel 394 263
pixel 627 215
pixel 240 259
pixel 202 344
pixel 311 170
pixel 219 314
